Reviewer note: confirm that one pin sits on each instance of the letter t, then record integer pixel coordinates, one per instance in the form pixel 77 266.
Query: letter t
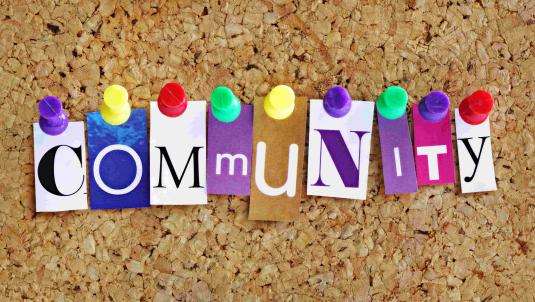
pixel 432 153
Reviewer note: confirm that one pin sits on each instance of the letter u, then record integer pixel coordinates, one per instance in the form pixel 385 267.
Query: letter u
pixel 290 186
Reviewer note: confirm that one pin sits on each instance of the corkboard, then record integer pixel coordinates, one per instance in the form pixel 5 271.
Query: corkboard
pixel 434 245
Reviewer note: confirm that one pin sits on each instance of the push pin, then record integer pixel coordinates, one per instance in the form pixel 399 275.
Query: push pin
pixel 226 107
pixel 280 102
pixel 53 119
pixel 392 103
pixel 476 108
pixel 337 101
pixel 115 109
pixel 172 100
pixel 434 106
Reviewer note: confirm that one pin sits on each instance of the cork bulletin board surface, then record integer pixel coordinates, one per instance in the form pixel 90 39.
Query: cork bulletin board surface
pixel 433 245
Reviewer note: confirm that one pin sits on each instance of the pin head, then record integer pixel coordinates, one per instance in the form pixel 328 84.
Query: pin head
pixel 53 119
pixel 476 108
pixel 115 109
pixel 280 102
pixel 392 103
pixel 226 107
pixel 172 100
pixel 337 101
pixel 434 106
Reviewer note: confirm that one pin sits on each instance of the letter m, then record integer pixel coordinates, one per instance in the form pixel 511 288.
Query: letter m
pixel 231 160
pixel 164 155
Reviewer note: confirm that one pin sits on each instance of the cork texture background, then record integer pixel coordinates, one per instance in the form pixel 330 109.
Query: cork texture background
pixel 433 245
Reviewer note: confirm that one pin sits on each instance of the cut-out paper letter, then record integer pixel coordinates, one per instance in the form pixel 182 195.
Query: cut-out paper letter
pixel 433 149
pixel 476 166
pixel 289 187
pixel 60 181
pixel 432 153
pixel 278 163
pixel 118 161
pixel 178 156
pixel 396 152
pixel 230 147
pixel 339 151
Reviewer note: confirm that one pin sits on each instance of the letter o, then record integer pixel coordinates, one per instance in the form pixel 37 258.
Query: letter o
pixel 96 169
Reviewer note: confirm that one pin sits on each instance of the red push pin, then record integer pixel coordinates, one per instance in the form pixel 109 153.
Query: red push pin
pixel 475 109
pixel 172 100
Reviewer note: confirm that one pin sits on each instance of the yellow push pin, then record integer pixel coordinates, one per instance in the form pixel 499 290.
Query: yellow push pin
pixel 115 109
pixel 280 102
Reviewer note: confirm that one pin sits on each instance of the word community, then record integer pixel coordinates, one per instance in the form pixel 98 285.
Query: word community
pixel 254 150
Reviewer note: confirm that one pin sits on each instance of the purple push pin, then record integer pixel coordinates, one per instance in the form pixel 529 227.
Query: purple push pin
pixel 337 101
pixel 53 120
pixel 434 106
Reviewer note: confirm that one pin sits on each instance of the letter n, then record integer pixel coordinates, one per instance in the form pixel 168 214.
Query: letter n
pixel 341 157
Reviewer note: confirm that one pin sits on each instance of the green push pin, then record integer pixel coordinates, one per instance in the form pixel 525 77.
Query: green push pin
pixel 392 102
pixel 226 107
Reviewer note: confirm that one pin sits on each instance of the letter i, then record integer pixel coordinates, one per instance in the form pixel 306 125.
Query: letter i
pixel 398 162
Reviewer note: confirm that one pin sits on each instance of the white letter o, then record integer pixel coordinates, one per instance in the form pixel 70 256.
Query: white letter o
pixel 96 169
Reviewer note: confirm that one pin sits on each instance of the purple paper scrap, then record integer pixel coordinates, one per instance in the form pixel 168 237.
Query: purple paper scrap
pixel 397 155
pixel 229 156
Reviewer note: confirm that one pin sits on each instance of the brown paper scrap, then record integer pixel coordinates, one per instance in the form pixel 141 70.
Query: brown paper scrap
pixel 278 135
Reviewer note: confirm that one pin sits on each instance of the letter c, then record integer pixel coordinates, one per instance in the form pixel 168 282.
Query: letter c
pixel 45 170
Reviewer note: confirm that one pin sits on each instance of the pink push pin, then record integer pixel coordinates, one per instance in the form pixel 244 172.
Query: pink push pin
pixel 476 108
pixel 434 106
pixel 53 119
